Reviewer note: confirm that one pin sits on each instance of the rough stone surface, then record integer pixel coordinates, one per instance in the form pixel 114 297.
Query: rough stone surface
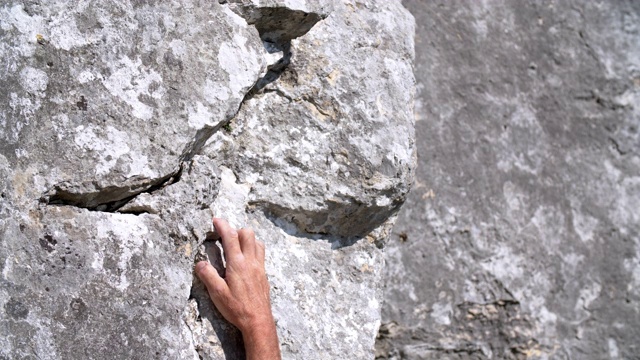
pixel 125 126
pixel 521 237
pixel 314 147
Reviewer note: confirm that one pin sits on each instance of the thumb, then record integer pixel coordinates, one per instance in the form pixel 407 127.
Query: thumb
pixel 216 285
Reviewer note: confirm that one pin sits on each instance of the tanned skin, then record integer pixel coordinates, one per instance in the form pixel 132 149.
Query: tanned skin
pixel 242 296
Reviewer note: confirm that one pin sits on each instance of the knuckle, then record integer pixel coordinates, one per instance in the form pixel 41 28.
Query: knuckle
pixel 257 267
pixel 248 232
pixel 236 259
pixel 218 290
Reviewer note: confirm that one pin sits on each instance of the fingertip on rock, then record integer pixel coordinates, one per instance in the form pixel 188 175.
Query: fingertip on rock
pixel 201 266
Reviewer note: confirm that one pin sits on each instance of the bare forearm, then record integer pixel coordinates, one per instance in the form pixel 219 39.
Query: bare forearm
pixel 261 342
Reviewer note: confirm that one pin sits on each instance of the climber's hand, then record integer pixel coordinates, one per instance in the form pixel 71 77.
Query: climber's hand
pixel 242 296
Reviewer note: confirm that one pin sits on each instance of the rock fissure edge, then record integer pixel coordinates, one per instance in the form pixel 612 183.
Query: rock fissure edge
pixel 113 197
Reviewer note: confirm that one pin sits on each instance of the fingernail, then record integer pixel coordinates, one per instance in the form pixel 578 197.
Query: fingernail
pixel 201 265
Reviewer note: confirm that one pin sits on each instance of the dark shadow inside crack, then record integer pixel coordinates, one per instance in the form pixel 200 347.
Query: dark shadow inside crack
pixel 201 137
pixel 292 223
pixel 276 26
pixel 229 336
pixel 108 198
pixel 274 71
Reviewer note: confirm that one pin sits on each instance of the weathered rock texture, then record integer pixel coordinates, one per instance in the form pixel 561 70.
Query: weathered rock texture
pixel 521 238
pixel 125 126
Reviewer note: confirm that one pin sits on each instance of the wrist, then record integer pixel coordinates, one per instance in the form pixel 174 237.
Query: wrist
pixel 261 340
pixel 258 327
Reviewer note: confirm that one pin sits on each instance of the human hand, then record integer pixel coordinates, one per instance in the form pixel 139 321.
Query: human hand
pixel 242 296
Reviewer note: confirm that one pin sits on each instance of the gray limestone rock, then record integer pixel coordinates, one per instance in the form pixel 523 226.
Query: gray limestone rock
pixel 125 126
pixel 334 169
pixel 521 237
pixel 78 77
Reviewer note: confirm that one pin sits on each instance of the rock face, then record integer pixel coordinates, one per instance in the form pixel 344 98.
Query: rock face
pixel 125 127
pixel 521 237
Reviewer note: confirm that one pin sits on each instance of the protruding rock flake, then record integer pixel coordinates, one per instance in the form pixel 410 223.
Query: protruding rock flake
pixel 124 127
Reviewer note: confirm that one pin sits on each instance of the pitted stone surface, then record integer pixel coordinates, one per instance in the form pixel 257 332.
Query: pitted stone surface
pixel 334 170
pixel 120 137
pixel 521 238
pixel 77 78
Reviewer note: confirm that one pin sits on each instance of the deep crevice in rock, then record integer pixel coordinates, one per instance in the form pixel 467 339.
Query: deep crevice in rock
pixel 204 315
pixel 616 146
pixel 277 26
pixel 273 71
pixel 296 222
pixel 202 136
pixel 110 198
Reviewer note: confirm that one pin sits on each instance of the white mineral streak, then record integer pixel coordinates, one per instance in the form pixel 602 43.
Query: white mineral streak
pixel 85 77
pixel 111 147
pixel 128 231
pixel 200 116
pixel 232 199
pixel 129 81
pixel 28 28
pixel 33 80
pixel 64 33
pixel 237 60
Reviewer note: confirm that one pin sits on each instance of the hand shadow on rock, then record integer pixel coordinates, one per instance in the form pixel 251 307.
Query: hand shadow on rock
pixel 229 337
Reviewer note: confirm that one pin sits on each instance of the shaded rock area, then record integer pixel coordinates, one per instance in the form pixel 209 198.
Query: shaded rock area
pixel 521 236
pixel 125 126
